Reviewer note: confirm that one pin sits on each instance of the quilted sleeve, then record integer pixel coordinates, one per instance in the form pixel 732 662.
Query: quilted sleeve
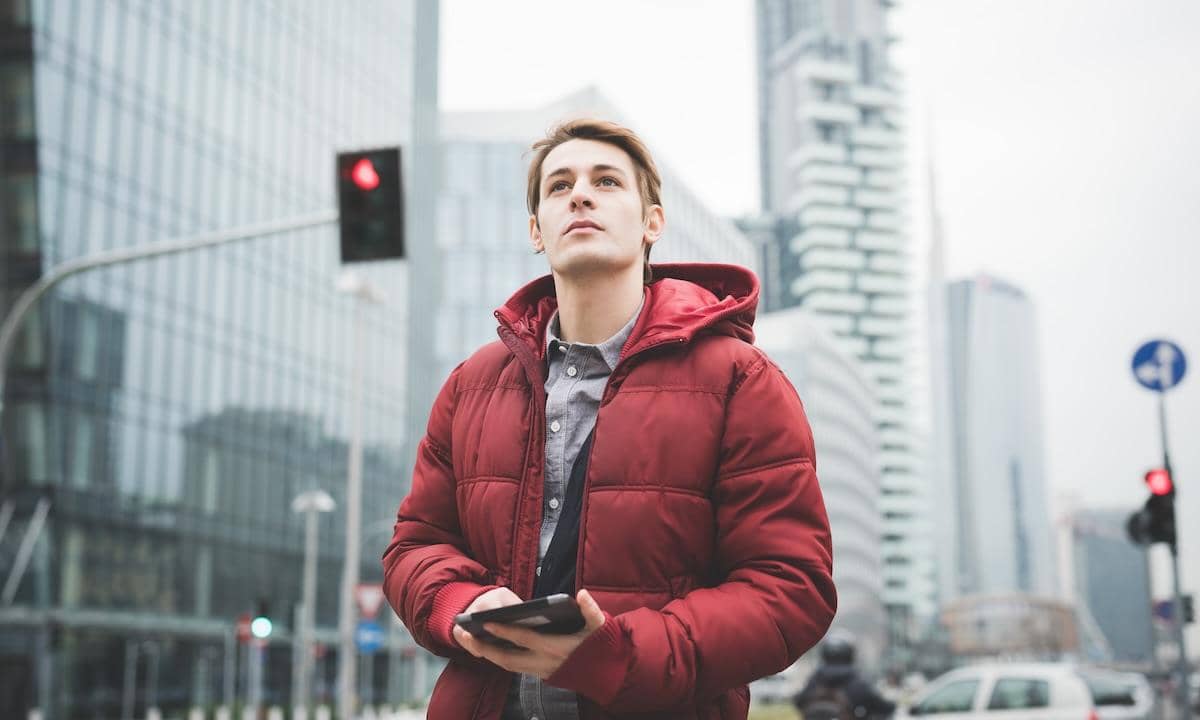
pixel 428 576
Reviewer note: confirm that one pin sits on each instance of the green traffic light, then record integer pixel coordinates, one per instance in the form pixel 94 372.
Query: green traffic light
pixel 260 627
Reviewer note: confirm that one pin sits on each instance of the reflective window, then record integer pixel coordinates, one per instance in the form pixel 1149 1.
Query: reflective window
pixel 16 97
pixel 1019 694
pixel 19 223
pixel 958 696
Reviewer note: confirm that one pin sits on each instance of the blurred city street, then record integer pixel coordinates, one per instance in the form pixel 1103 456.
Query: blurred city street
pixel 243 246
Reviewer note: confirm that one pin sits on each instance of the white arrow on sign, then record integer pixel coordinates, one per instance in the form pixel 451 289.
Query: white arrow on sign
pixel 369 597
pixel 1160 369
pixel 1148 372
pixel 1165 354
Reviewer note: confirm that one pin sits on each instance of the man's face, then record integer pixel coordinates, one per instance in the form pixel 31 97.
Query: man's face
pixel 590 220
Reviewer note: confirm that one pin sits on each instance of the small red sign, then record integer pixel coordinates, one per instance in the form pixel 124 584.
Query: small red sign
pixel 370 598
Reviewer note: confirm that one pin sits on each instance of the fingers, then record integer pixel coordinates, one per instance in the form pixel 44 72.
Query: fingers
pixel 467 641
pixel 593 616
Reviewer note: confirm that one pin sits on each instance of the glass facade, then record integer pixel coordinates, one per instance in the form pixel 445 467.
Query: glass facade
pixel 169 410
pixel 1003 519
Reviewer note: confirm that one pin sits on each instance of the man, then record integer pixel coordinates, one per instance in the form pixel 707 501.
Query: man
pixel 626 443
pixel 836 691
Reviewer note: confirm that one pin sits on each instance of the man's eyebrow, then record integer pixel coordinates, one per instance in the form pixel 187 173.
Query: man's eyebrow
pixel 595 168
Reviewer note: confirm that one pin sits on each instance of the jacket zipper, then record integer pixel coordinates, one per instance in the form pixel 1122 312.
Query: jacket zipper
pixel 538 400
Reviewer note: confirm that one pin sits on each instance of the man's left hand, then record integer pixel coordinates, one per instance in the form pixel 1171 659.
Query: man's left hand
pixel 539 654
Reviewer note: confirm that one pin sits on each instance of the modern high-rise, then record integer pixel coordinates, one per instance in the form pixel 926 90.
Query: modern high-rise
pixel 833 240
pixel 483 223
pixel 166 412
pixel 1003 540
pixel 839 401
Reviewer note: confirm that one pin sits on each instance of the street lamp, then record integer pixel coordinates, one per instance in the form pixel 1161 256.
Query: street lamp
pixel 310 503
pixel 354 284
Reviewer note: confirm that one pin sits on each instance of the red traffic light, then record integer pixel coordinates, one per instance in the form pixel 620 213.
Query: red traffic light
pixel 1159 482
pixel 364 174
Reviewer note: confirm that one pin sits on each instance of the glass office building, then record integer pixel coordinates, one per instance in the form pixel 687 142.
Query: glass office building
pixel 1004 529
pixel 164 413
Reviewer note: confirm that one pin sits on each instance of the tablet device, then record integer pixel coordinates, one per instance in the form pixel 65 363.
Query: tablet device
pixel 554 614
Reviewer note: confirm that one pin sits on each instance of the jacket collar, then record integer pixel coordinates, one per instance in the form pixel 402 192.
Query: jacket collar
pixel 685 300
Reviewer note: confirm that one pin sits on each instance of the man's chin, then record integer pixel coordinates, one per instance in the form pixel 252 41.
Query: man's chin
pixel 591 265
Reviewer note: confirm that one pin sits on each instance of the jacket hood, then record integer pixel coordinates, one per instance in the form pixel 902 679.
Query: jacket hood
pixel 685 300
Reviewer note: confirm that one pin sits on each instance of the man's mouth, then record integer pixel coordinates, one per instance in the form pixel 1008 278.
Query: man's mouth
pixel 582 225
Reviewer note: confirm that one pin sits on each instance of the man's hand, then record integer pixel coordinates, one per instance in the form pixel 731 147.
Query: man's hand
pixel 539 654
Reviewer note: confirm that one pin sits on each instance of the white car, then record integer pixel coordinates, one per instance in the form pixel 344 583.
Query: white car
pixel 1031 691
pixel 1118 695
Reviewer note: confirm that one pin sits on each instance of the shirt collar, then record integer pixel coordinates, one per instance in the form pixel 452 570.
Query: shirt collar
pixel 610 349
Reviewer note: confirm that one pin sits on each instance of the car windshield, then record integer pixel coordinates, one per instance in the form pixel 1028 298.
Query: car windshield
pixel 1109 691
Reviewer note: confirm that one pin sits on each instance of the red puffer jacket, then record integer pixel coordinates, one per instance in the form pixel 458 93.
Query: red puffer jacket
pixel 703 532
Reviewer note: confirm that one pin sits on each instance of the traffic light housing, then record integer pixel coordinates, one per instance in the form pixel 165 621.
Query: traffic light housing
pixel 370 205
pixel 260 626
pixel 1155 522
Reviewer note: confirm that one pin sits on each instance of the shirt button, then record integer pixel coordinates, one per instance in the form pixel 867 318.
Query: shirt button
pixel 553 503
pixel 555 426
pixel 572 371
pixel 538 571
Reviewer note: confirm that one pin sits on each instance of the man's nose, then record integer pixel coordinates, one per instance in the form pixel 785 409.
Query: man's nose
pixel 581 195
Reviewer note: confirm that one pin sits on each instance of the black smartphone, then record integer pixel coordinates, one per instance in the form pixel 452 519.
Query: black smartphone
pixel 554 614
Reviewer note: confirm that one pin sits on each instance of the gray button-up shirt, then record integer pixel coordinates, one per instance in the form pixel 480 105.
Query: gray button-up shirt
pixel 578 374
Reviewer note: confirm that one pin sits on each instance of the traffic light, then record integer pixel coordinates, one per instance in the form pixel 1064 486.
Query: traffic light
pixel 370 205
pixel 260 626
pixel 1189 610
pixel 1155 522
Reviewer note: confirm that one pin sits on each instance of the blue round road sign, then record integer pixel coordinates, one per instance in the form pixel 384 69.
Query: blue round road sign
pixel 369 636
pixel 1159 365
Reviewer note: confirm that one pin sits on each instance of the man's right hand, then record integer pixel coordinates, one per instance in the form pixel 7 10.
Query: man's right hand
pixel 490 600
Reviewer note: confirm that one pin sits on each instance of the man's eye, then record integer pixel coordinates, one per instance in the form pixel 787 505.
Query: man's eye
pixel 609 182
pixel 560 185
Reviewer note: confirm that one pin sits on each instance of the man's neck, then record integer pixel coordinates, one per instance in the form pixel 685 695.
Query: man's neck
pixel 593 309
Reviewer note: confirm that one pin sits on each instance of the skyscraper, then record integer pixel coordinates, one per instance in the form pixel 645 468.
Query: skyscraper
pixel 831 169
pixel 167 411
pixel 1003 530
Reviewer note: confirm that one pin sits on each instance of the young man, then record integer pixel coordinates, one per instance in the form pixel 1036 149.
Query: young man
pixel 624 442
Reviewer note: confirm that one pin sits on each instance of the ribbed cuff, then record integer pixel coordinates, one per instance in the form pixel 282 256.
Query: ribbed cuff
pixel 450 601
pixel 596 669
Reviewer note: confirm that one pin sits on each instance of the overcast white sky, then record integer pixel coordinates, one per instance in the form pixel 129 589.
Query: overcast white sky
pixel 1067 145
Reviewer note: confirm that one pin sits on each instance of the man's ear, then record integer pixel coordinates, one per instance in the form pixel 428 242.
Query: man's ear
pixel 656 222
pixel 535 235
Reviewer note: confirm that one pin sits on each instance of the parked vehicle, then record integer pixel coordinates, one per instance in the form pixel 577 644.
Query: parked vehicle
pixel 1030 691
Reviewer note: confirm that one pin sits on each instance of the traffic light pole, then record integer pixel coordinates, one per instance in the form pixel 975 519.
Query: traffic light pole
pixel 347 699
pixel 1177 602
